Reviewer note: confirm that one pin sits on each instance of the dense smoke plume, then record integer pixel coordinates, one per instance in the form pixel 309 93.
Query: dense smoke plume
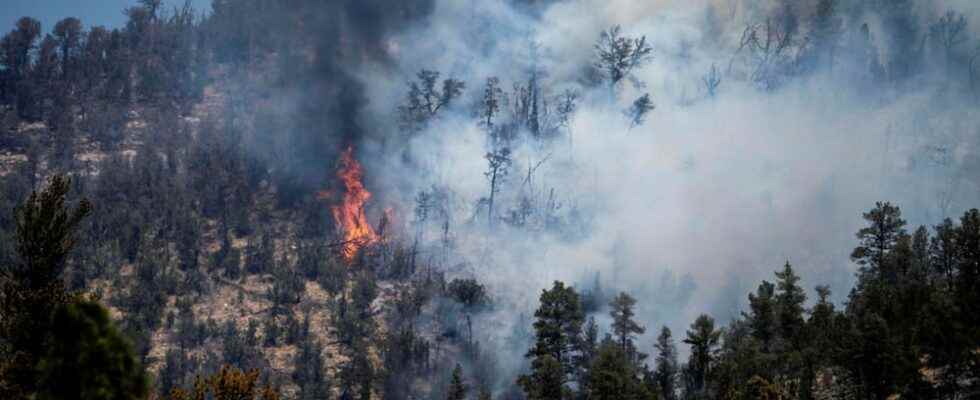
pixel 714 191
pixel 322 47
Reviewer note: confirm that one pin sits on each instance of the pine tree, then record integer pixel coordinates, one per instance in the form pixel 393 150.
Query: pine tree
pixel 944 254
pixel 789 302
pixel 665 376
pixel 587 348
pixel 703 339
pixel 546 380
pixel 557 329
pixel 762 318
pixel 789 305
pixel 878 238
pixel 309 373
pixel 613 376
pixel 624 328
pixel 88 358
pixel 821 326
pixel 32 288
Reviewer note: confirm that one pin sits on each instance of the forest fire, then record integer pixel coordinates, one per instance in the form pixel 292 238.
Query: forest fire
pixel 348 214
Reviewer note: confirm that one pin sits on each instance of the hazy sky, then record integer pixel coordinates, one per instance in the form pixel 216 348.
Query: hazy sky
pixel 92 12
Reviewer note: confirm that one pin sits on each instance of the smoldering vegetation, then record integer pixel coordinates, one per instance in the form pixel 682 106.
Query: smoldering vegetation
pixel 355 197
pixel 772 125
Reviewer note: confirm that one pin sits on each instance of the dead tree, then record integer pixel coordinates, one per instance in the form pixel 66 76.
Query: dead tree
pixel 425 99
pixel 771 50
pixel 498 163
pixel 948 33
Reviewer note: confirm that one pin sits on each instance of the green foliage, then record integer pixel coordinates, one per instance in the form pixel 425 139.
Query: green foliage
pixel 885 225
pixel 613 375
pixel 625 328
pixel 32 287
pixel 468 292
pixel 88 358
pixel 667 370
pixel 703 339
pixel 763 314
pixel 557 327
pixel 46 230
pixel 914 309
pixel 309 371
pixel 546 380
pixel 790 301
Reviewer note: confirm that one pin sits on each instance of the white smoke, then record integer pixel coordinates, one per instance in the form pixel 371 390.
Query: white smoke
pixel 690 210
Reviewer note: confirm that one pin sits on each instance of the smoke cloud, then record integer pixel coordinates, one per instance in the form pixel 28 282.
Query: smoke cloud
pixel 690 210
pixel 687 211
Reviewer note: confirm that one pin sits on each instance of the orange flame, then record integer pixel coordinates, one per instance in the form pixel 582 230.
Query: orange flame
pixel 349 214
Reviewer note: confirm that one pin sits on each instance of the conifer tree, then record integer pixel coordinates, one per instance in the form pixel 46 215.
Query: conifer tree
pixel 88 358
pixel 624 327
pixel 665 375
pixel 557 328
pixel 32 288
pixel 789 302
pixel 703 339
pixel 613 376
pixel 762 316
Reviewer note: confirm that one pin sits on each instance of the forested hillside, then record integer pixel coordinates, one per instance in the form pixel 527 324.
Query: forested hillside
pixel 505 199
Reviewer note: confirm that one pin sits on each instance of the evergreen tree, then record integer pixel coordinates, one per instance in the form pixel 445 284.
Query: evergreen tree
pixel 613 376
pixel 821 327
pixel 32 288
pixel 546 380
pixel 309 373
pixel 885 225
pixel 703 339
pixel 789 302
pixel 665 376
pixel 624 328
pixel 557 328
pixel 762 318
pixel 587 348
pixel 88 358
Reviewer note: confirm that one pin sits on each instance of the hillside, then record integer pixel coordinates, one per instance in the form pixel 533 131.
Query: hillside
pixel 508 199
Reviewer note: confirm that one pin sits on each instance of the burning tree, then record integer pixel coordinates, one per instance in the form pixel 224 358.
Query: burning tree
pixel 349 215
